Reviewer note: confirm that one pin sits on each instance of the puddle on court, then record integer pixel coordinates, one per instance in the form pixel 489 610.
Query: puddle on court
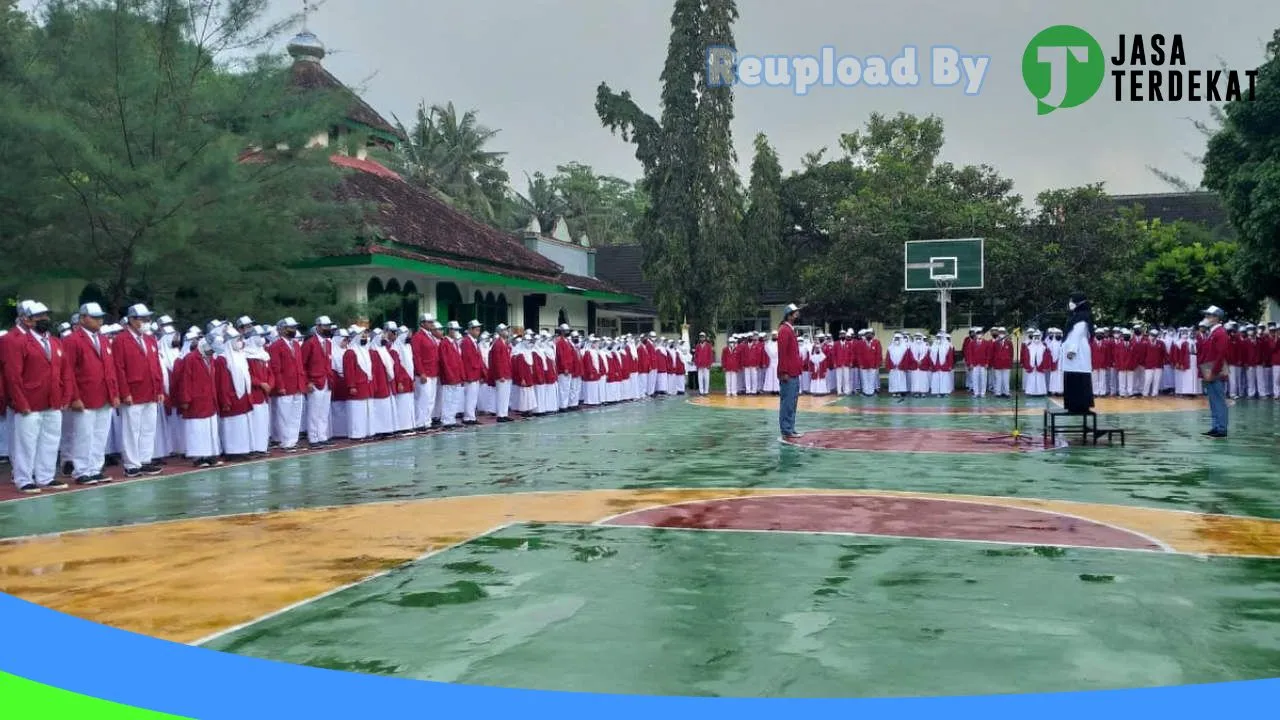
pixel 638 610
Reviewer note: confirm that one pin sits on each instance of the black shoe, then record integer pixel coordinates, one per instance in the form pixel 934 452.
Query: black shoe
pixel 101 479
pixel 152 469
pixel 1210 433
pixel 68 469
pixel 56 485
pixel 504 419
pixel 30 488
pixel 1218 434
pixel 87 480
pixel 133 472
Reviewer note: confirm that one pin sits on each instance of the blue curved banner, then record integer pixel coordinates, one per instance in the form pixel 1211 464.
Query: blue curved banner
pixel 79 656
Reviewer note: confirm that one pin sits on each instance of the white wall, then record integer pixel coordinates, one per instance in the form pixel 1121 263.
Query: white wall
pixel 573 258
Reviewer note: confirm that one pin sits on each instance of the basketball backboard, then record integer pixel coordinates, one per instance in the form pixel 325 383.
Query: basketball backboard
pixel 925 262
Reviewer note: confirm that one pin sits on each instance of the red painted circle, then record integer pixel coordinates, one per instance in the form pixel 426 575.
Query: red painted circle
pixel 889 516
pixel 920 440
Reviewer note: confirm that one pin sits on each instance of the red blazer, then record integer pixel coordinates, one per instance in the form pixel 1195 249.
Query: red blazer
pixel 1215 350
pixel 198 389
pixel 260 372
pixel 138 373
pixel 703 355
pixel 1001 355
pixel 1124 356
pixel 316 361
pixel 354 378
pixel 472 360
pixel 95 374
pixel 426 354
pixel 522 371
pixel 590 371
pixel 565 355
pixel 499 361
pixel 286 368
pixel 947 363
pixel 403 384
pixel 1153 355
pixel 729 359
pixel 379 384
pixel 926 362
pixel 34 383
pixel 788 352
pixel 229 404
pixel 451 371
pixel 1046 361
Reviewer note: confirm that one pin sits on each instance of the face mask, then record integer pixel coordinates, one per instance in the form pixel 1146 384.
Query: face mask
pixel 42 326
pixel 238 344
pixel 1071 306
pixel 364 341
pixel 177 343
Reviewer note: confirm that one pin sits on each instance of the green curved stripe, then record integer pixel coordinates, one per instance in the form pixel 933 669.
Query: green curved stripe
pixel 22 699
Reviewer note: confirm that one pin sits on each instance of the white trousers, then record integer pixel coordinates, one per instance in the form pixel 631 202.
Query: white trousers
pixel 1125 387
pixel 842 381
pixel 704 380
pixel 1100 382
pixel 1001 378
pixel 451 401
pixel 870 381
pixel 1275 382
pixel 652 385
pixel 731 383
pixel 6 424
pixel 318 429
pixel 89 431
pixel 424 402
pixel 979 385
pixel 575 392
pixel 1255 381
pixel 752 376
pixel 33 447
pixel 138 433
pixel 471 396
pixel 1151 383
pixel 286 418
pixel 502 394
pixel 564 383
pixel 1235 381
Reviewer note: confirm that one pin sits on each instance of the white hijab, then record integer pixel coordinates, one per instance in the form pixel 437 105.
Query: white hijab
pixel 340 349
pixel 388 365
pixel 404 350
pixel 237 363
pixel 897 349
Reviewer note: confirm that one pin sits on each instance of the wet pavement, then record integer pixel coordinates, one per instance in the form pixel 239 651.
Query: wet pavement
pixel 634 609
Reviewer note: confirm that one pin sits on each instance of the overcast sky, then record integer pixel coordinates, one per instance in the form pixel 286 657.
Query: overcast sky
pixel 530 68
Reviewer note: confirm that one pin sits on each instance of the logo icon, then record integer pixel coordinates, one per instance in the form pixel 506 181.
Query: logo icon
pixel 1063 67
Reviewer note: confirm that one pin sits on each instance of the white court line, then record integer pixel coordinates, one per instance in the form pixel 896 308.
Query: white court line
pixel 1164 547
pixel 348 586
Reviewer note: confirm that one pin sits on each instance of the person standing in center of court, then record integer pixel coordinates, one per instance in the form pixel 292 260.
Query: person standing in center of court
pixel 789 368
pixel 1213 368
pixel 317 361
pixel 1077 356
pixel 142 389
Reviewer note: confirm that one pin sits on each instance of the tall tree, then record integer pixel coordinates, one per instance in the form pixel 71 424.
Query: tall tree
pixel 1183 268
pixel 1243 165
pixel 137 114
pixel 602 207
pixel 691 232
pixel 448 153
pixel 763 224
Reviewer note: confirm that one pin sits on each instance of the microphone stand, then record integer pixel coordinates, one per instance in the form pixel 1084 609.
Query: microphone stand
pixel 1015 435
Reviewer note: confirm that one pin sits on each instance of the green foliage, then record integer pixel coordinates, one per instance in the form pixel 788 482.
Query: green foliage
pixel 691 232
pixel 763 224
pixel 603 208
pixel 1184 268
pixel 447 154
pixel 1243 165
pixel 126 122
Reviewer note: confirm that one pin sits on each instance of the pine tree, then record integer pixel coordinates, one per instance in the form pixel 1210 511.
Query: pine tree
pixel 691 231
pixel 764 222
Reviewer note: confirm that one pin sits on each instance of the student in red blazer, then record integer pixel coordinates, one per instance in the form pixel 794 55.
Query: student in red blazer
pixel 95 395
pixel 289 385
pixel 426 371
pixel 39 385
pixel 141 392
pixel 451 375
pixel 500 372
pixel 472 371
pixel 317 364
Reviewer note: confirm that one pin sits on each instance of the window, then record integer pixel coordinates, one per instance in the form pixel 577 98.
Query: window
pixel 502 309
pixel 409 306
pixel 636 325
pixel 448 302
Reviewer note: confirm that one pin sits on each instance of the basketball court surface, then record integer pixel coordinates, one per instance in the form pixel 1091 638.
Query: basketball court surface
pixel 680 547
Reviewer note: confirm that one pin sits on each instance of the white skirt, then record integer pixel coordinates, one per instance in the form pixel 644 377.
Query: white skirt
pixel 358 412
pixel 547 399
pixel 237 434
pixel 487 399
pixel 338 422
pixel 524 399
pixel 1186 382
pixel 591 393
pixel 612 392
pixel 920 381
pixel 201 437
pixel 770 384
pixel 818 386
pixel 1034 384
pixel 1055 382
pixel 260 427
pixel 162 446
pixel 382 416
pixel 898 381
pixel 942 382
pixel 403 404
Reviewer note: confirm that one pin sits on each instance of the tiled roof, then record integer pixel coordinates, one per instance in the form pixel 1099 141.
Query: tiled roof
pixel 1201 207
pixel 589 283
pixel 460 264
pixel 412 217
pixel 310 75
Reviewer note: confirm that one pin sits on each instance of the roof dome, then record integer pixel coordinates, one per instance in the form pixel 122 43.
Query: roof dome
pixel 306 46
